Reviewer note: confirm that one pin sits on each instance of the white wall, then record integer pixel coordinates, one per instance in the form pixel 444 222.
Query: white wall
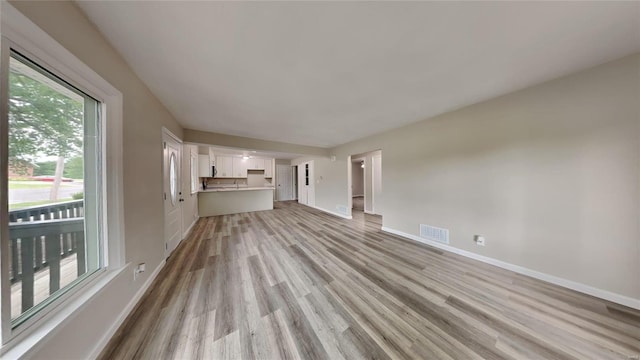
pixel 549 174
pixel 144 117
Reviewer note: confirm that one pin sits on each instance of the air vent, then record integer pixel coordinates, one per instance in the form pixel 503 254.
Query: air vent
pixel 434 233
pixel 343 209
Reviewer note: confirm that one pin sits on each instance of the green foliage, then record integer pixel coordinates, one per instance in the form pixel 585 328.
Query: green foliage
pixel 45 168
pixel 42 120
pixel 77 196
pixel 73 168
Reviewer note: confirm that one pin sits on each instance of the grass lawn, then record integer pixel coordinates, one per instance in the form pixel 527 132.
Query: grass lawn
pixel 14 185
pixel 35 203
pixel 23 184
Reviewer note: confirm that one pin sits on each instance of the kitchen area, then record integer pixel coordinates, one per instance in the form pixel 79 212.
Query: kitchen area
pixel 234 181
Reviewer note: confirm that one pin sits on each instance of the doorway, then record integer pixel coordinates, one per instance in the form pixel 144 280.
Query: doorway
pixel 357 184
pixel 172 185
pixel 366 182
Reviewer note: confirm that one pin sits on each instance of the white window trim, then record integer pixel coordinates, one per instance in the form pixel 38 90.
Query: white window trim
pixel 20 33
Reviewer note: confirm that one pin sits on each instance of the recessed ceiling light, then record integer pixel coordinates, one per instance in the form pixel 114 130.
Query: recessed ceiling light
pixel 246 157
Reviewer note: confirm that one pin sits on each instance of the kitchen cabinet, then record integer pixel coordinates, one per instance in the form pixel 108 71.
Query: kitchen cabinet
pixel 212 157
pixel 224 167
pixel 240 166
pixel 256 164
pixel 268 168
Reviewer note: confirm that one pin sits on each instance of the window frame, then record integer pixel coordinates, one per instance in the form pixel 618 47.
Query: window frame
pixel 22 35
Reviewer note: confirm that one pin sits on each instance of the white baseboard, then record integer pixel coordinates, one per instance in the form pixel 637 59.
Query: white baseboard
pixel 186 233
pixel 331 212
pixel 585 289
pixel 125 312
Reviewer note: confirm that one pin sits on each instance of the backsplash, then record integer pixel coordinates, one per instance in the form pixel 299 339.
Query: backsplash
pixel 242 182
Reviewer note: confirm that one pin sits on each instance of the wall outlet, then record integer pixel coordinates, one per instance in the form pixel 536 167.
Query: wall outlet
pixel 479 239
pixel 140 268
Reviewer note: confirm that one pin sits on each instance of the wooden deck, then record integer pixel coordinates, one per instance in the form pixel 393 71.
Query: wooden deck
pixel 68 273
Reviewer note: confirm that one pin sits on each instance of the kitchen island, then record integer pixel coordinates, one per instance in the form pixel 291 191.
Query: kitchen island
pixel 233 200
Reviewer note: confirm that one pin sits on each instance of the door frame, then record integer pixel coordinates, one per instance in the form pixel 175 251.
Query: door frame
pixel 375 184
pixel 294 182
pixel 167 133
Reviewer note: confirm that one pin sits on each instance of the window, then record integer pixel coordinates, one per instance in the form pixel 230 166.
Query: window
pixel 61 222
pixel 53 187
pixel 194 171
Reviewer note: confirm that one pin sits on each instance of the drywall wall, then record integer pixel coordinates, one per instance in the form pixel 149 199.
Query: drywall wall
pixel 283 162
pixel 144 117
pixel 204 137
pixel 357 179
pixel 331 183
pixel 550 175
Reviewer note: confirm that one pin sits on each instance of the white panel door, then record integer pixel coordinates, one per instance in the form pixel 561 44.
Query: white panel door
pixel 306 184
pixel 284 188
pixel 171 170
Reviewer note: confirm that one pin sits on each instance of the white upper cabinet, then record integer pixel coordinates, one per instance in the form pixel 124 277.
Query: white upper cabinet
pixel 224 166
pixel 229 166
pixel 256 164
pixel 268 168
pixel 240 167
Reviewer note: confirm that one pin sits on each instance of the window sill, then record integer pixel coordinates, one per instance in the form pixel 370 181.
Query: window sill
pixel 33 338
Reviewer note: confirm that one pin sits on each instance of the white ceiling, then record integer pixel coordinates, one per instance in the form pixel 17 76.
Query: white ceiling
pixel 325 73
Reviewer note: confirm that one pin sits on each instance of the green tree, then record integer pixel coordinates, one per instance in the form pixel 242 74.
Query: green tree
pixel 44 119
pixel 45 168
pixel 74 168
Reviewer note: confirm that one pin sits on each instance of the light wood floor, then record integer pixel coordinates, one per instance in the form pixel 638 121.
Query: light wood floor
pixel 358 203
pixel 296 283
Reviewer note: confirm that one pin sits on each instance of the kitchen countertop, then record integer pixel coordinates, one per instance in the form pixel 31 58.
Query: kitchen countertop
pixel 226 189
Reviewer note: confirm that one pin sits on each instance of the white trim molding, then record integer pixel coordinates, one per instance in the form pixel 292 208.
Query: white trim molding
pixel 569 284
pixel 125 312
pixel 186 233
pixel 348 217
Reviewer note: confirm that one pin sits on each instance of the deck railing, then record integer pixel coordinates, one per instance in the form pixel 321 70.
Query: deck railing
pixel 40 237
pixel 63 210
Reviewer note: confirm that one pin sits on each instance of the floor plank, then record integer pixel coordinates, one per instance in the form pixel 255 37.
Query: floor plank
pixel 297 283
